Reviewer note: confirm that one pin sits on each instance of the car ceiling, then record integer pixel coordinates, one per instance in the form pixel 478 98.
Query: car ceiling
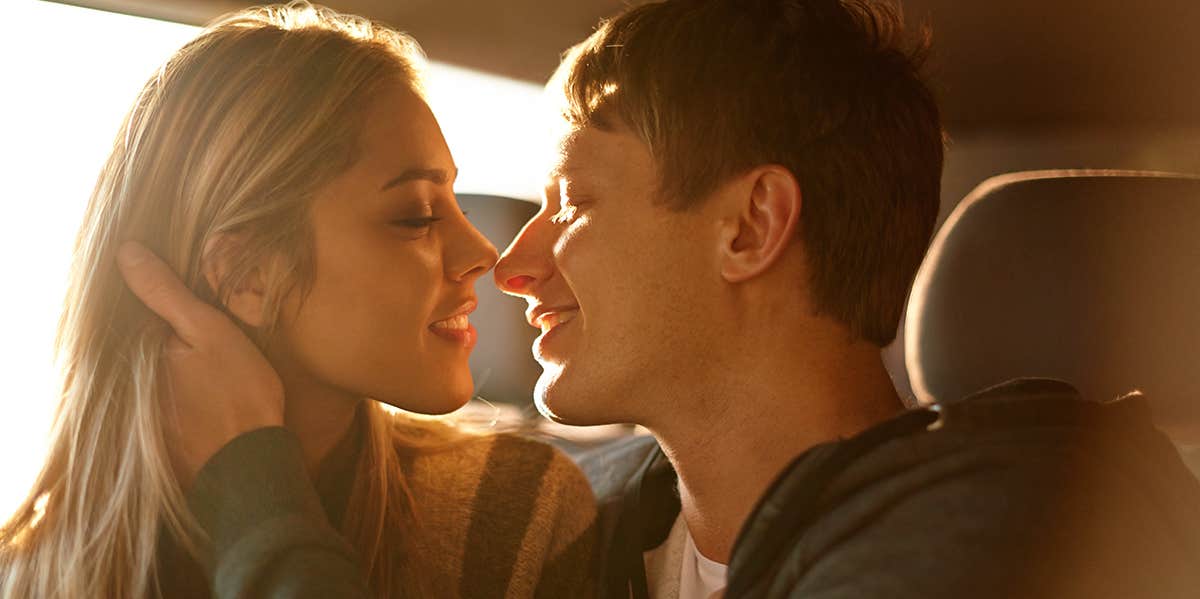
pixel 1015 65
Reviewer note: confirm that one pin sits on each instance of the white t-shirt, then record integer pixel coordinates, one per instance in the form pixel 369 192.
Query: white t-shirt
pixel 700 576
pixel 677 570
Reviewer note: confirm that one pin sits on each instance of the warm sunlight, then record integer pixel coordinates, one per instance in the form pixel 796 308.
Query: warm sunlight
pixel 70 76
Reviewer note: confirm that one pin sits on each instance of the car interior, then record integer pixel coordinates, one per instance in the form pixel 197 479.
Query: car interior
pixel 1086 276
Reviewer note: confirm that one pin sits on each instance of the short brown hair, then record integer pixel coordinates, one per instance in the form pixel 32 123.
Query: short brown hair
pixel 828 89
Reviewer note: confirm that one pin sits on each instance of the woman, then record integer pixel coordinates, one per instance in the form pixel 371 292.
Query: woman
pixel 285 164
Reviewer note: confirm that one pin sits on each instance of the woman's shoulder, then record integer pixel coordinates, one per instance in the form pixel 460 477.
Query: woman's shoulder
pixel 517 512
pixel 500 466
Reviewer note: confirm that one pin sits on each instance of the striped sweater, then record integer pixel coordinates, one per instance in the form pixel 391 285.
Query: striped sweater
pixel 500 516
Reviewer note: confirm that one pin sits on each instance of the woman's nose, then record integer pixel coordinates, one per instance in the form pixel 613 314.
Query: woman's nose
pixel 475 254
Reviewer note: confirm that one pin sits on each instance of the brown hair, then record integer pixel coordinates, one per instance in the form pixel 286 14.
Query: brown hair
pixel 826 88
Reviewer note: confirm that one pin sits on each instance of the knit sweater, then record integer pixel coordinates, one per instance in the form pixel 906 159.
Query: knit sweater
pixel 500 516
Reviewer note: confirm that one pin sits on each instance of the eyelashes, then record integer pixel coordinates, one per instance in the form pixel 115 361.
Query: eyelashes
pixel 566 213
pixel 423 222
pixel 419 222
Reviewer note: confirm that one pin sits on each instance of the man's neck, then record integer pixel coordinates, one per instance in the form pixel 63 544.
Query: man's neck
pixel 752 425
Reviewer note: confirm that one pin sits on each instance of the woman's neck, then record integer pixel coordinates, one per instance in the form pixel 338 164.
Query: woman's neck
pixel 319 416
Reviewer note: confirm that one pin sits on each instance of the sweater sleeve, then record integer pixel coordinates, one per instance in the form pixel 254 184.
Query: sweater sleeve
pixel 270 536
pixel 568 570
pixel 530 527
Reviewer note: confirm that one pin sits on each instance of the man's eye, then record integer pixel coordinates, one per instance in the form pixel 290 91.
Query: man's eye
pixel 565 214
pixel 416 223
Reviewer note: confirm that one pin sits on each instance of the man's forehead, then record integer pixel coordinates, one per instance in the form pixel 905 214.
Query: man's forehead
pixel 585 149
pixel 570 152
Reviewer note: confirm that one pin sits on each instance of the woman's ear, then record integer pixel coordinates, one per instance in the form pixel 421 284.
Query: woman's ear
pixel 243 294
pixel 768 213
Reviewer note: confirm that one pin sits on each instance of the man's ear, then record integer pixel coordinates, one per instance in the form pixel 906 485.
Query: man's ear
pixel 244 299
pixel 767 214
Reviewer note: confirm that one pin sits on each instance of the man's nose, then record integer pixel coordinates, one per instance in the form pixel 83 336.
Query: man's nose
pixel 528 259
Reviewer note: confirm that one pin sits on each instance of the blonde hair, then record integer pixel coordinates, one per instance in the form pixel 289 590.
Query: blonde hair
pixel 234 134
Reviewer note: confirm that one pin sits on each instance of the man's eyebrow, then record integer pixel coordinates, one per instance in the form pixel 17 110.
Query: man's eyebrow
pixel 567 161
pixel 566 169
pixel 439 176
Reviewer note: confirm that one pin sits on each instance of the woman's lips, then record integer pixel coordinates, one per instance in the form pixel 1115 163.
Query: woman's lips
pixel 457 329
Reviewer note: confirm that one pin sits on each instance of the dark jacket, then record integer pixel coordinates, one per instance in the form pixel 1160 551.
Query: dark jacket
pixel 1024 490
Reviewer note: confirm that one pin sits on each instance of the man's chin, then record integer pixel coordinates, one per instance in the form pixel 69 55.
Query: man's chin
pixel 545 397
pixel 558 403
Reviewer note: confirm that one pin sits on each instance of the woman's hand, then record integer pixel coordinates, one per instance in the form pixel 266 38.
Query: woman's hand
pixel 221 386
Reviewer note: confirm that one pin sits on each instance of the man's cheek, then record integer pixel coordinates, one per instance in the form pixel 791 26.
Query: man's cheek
pixel 575 255
pixel 568 240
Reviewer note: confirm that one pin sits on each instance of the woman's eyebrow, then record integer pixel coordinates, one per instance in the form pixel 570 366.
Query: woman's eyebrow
pixel 439 176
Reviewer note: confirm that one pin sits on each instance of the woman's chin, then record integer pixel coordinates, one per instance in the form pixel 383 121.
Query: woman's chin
pixel 450 405
pixel 434 403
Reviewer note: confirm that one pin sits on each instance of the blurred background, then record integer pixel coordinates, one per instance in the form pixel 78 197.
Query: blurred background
pixel 1024 84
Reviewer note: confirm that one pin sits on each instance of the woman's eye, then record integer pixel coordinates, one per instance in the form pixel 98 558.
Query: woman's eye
pixel 416 223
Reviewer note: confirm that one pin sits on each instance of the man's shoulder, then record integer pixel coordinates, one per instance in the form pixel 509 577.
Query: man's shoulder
pixel 1046 404
pixel 1006 491
pixel 1024 424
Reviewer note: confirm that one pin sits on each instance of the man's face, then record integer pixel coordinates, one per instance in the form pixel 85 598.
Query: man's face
pixel 611 278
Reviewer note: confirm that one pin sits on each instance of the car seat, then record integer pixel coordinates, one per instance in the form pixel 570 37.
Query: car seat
pixel 1091 277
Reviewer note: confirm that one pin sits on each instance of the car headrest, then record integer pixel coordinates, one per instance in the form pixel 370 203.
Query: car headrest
pixel 1091 277
pixel 502 363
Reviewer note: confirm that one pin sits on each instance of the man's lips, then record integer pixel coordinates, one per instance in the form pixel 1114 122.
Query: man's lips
pixel 550 320
pixel 546 318
pixel 553 324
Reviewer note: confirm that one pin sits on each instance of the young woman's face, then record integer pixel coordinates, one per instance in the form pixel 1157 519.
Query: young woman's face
pixel 394 265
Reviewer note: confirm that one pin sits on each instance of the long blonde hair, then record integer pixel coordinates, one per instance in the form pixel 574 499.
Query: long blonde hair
pixel 233 134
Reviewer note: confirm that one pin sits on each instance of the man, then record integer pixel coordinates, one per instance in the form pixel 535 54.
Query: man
pixel 744 192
